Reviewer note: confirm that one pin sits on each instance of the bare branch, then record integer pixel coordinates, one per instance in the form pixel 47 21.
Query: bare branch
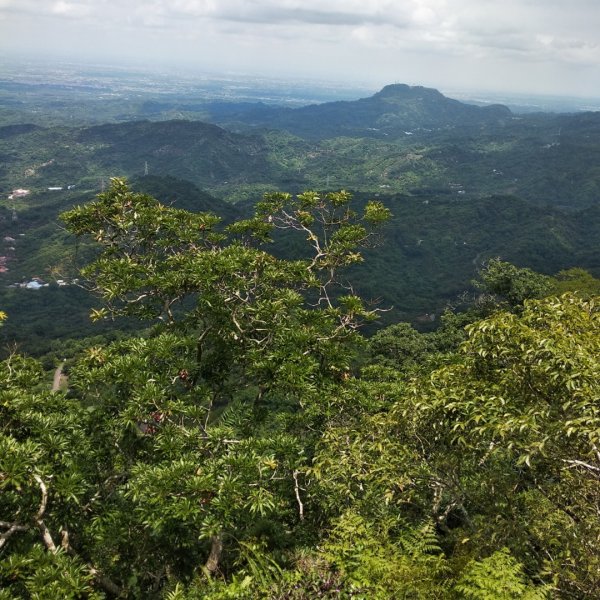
pixel 7 524
pixel 12 529
pixel 46 536
pixel 104 582
pixel 580 463
pixel 64 541
pixel 216 548
pixel 597 451
pixel 44 501
pixel 298 499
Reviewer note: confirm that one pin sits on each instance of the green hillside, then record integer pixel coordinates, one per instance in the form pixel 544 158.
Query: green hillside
pixel 473 152
pixel 464 184
pixel 245 441
pixel 393 111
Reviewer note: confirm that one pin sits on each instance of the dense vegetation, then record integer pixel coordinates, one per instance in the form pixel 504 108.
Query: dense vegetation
pixel 549 160
pixel 465 184
pixel 249 413
pixel 254 445
pixel 431 250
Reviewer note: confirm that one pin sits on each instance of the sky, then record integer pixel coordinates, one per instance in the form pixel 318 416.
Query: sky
pixel 528 46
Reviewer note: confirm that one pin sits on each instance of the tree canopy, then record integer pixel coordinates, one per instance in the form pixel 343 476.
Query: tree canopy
pixel 249 442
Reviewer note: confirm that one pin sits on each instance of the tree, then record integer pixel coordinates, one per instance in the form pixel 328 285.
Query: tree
pixel 522 403
pixel 179 451
pixel 509 286
pixel 46 474
pixel 497 448
pixel 233 449
pixel 576 280
pixel 400 346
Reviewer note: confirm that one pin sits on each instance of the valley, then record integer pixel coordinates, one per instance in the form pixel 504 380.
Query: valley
pixel 465 183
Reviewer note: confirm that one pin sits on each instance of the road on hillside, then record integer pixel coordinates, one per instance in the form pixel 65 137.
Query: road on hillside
pixel 57 377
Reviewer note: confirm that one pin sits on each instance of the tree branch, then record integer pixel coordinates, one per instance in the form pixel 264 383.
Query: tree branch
pixel 298 499
pixel 104 582
pixel 216 548
pixel 580 463
pixel 12 529
pixel 39 521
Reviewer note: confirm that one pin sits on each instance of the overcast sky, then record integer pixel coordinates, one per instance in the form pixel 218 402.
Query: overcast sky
pixel 540 46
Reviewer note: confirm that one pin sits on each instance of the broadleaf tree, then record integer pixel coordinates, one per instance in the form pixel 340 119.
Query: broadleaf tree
pixel 179 449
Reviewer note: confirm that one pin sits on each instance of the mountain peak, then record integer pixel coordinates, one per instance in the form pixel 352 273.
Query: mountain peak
pixel 403 90
pixel 393 111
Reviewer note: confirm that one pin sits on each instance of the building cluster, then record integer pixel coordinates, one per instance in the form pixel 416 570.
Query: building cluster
pixel 19 193
pixel 37 283
pixel 60 188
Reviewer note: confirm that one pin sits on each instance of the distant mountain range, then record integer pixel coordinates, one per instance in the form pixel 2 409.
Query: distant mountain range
pixel 393 111
pixel 411 140
pixel 464 183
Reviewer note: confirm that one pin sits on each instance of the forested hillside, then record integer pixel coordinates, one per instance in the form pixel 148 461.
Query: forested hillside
pixel 405 140
pixel 465 184
pixel 217 384
pixel 251 443
pixel 430 252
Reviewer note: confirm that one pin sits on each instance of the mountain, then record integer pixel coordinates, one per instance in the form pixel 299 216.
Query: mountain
pixel 429 253
pixel 395 110
pixel 464 183
pixel 200 152
pixel 38 158
pixel 185 195
pixel 410 140
pixel 9 131
pixel 431 249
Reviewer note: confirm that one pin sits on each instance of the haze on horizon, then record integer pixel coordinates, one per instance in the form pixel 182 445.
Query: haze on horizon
pixel 521 46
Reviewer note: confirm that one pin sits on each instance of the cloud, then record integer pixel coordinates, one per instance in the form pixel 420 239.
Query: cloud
pixel 285 12
pixel 426 19
pixel 521 34
pixel 71 9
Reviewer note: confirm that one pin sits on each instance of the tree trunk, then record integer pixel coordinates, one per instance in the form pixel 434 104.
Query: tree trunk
pixel 216 548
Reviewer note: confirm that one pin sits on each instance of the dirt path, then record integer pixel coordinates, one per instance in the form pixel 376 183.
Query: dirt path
pixel 58 377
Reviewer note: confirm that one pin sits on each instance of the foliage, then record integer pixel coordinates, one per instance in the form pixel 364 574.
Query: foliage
pixel 251 444
pixel 403 348
pixel 377 564
pixel 45 478
pixel 183 448
pixel 511 286
pixel 522 402
pixel 46 576
pixel 496 444
pixel 498 577
pixel 530 381
pixel 576 280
